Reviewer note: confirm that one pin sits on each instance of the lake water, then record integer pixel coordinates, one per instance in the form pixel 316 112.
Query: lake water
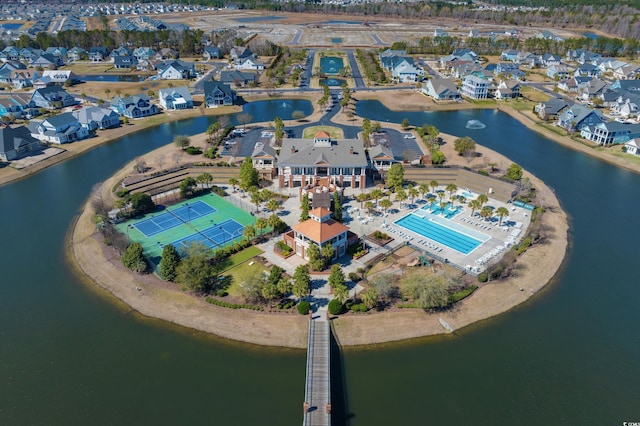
pixel 113 78
pixel 283 108
pixel 568 356
pixel 257 18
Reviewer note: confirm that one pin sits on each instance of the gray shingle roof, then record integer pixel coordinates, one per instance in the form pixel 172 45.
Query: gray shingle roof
pixel 305 153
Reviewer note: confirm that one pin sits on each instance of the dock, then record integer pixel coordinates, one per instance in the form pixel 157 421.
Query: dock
pixel 317 395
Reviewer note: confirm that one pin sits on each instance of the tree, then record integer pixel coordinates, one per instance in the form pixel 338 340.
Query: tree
pixel 341 293
pixel 401 195
pixel 141 203
pixel 301 281
pixel 234 183
pixel 305 205
pixel 385 203
pixel 256 197
pixel 249 232
pixel 514 172
pixel 169 262
pixel 186 187
pixel 304 307
pixel 272 205
pixel 205 179
pixel 337 207
pixel 297 115
pixel 412 192
pixel 316 262
pixel 369 206
pixel 244 119
pixel 248 174
pixel 383 284
pixel 405 123
pixel 395 176
pixel 335 307
pixel 362 197
pixel 261 224
pixel 433 184
pixel 431 199
pixel 269 292
pixel 502 212
pixel 133 258
pixel 212 130
pixel 376 194
pixel 482 199
pixel 284 286
pixel 369 297
pixel 451 188
pixel 474 205
pixel 426 292
pixel 486 212
pixel 464 146
pixel 276 224
pixel 423 188
pixel 336 278
pixel 181 141
pixel 327 251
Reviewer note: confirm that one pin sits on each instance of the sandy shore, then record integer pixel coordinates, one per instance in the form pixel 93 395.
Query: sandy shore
pixel 165 301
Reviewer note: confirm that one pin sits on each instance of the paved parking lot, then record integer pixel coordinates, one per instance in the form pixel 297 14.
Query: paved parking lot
pixel 400 146
pixel 242 146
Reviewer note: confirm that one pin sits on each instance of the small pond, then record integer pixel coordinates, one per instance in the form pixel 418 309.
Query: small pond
pixel 268 110
pixel 113 78
pixel 331 65
pixel 332 82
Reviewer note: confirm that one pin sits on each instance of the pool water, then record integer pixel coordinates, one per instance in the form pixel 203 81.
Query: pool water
pixel 331 65
pixel 439 233
pixel 449 212
pixel 468 195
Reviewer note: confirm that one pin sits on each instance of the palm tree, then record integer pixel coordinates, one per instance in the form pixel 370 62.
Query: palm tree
pixel 362 197
pixel 273 222
pixel 423 188
pixel 376 194
pixel 256 198
pixel 442 205
pixel 433 184
pixel 272 205
pixel 474 205
pixel 205 178
pixel 233 182
pixel 385 203
pixel 369 206
pixel 401 196
pixel 431 199
pixel 413 193
pixel 261 224
pixel 249 232
pixel 486 212
pixel 451 188
pixel 482 199
pixel 501 212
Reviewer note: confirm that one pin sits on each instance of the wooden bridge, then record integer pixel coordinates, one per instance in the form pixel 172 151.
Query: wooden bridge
pixel 317 395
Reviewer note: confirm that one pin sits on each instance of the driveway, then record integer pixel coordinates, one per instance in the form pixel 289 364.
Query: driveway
pixel 242 146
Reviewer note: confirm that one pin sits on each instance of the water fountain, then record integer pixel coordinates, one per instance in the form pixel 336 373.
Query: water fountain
pixel 475 125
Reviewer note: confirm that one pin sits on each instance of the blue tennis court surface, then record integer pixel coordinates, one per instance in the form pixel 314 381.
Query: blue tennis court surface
pixel 172 218
pixel 439 233
pixel 214 236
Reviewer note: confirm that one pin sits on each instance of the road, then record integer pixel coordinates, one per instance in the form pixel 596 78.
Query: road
pixel 355 70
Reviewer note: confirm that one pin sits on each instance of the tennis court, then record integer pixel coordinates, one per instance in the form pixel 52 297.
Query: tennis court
pixel 175 217
pixel 208 219
pixel 214 236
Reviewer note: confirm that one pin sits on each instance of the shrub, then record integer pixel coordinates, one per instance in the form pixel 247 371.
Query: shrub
pixel 354 277
pixel 289 303
pixel 483 172
pixel 483 277
pixel 221 293
pixel 335 307
pixel 193 150
pixel 524 245
pixel 459 295
pixel 122 192
pixel 358 307
pixel 304 307
pixel 219 191
pixel 224 304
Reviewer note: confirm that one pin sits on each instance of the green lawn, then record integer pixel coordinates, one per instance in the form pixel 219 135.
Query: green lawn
pixel 334 132
pixel 238 275
pixel 242 256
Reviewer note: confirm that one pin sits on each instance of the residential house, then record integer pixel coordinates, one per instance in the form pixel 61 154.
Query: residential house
pixel 176 70
pixel 30 54
pixel 549 59
pixel 264 159
pixel 175 98
pixel 120 51
pixel 303 161
pixel 474 87
pixel 609 64
pixel 381 159
pixel 47 61
pixel 548 35
pixel 508 89
pixel 143 53
pixel 136 106
pixel 578 116
pixel 549 110
pixel 581 56
pixel 630 85
pixel 238 53
pixel 11 53
pixel 593 90
pixel 52 97
pixel 627 72
pixel 249 64
pixel 574 84
pixel 21 79
pixel 57 51
pixel 16 105
pixel 94 118
pixel 7 68
pixel 319 229
pixel 509 55
pixel 441 89
pixel 558 72
pixel 610 133
pixel 124 62
pixel 60 76
pixel 527 59
pixel 218 94
pixel 440 33
pixel 211 52
pixel 239 78
pixel 77 54
pixel 632 147
pixel 16 142
pixel 98 54
pixel 61 128
pixel 509 70
pixel 167 53
pixel 587 70
pixel 457 55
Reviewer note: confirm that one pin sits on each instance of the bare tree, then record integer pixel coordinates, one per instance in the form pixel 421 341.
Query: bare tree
pixel 159 161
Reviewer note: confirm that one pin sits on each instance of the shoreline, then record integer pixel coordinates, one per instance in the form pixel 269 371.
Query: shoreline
pixel 162 300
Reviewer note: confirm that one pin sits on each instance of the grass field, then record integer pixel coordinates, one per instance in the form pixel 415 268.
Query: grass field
pixel 239 274
pixel 334 132
pixel 241 257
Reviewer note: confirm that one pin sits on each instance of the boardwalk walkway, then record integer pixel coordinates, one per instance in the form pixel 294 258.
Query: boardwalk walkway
pixel 317 398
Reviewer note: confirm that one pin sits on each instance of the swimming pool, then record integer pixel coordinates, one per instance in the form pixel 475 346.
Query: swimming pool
pixel 468 195
pixel 440 233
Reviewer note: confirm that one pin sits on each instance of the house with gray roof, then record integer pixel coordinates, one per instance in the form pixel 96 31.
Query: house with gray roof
pixel 136 106
pixel 264 159
pixel 61 128
pixel 176 70
pixel 17 105
pixel 610 133
pixel 441 89
pixel 304 161
pixel 94 118
pixel 218 94
pixel 238 78
pixel 7 68
pixel 381 159
pixel 578 116
pixel 549 110
pixel 175 98
pixel 16 142
pixel 52 97
pixel 77 54
pixel 211 52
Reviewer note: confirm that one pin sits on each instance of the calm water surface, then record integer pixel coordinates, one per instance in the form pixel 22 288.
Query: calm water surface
pixel 567 357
